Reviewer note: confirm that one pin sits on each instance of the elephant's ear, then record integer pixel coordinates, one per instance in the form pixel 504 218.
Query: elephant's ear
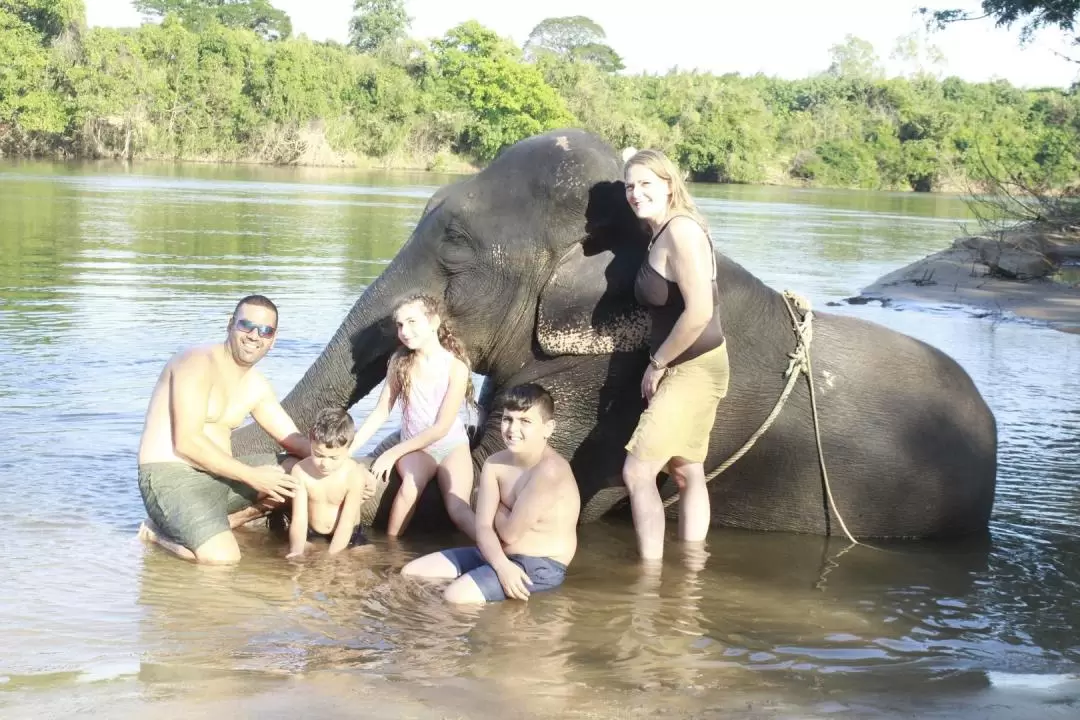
pixel 588 305
pixel 438 196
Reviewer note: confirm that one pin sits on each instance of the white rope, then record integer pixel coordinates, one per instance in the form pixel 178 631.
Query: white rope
pixel 798 364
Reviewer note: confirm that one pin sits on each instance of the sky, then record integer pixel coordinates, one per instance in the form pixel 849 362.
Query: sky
pixel 782 38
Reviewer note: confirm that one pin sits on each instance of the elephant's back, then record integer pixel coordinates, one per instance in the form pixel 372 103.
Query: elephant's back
pixel 890 367
pixel 908 441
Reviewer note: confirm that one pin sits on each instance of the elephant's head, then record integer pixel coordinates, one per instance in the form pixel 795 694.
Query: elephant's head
pixel 518 252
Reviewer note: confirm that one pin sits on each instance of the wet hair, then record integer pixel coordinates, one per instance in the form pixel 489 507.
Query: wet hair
pixel 333 428
pixel 522 398
pixel 401 362
pixel 258 301
pixel 679 200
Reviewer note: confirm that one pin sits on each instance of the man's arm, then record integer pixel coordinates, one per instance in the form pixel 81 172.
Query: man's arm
pixel 298 525
pixel 532 502
pixel 348 515
pixel 512 578
pixel 189 393
pixel 272 418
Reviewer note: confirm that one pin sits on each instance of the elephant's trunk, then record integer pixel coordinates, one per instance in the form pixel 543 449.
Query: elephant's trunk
pixel 353 362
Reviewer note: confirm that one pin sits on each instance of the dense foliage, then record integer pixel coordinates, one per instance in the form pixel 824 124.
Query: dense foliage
pixel 225 87
pixel 257 15
pixel 1033 15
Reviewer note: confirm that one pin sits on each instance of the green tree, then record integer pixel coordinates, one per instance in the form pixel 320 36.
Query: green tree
pixel 1034 14
pixel 50 18
pixel 29 103
pixel 575 38
pixel 917 54
pixel 728 135
pixel 508 100
pixel 258 16
pixel 854 58
pixel 35 105
pixel 378 24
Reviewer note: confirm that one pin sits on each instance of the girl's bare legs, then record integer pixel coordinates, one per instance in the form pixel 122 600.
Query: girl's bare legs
pixel 456 483
pixel 416 470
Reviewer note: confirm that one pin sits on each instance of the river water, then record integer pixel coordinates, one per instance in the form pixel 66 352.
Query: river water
pixel 105 271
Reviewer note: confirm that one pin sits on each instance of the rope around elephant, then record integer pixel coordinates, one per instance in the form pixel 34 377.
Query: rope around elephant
pixel 798 364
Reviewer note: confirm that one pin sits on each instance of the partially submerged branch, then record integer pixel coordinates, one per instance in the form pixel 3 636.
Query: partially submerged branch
pixel 1009 201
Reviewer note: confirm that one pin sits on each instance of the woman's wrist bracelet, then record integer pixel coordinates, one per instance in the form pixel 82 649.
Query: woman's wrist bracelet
pixel 656 363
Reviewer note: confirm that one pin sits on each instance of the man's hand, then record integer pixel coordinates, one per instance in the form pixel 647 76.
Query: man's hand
pixel 514 581
pixel 272 481
pixel 267 504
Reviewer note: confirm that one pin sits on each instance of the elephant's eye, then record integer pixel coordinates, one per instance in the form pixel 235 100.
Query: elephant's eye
pixel 456 249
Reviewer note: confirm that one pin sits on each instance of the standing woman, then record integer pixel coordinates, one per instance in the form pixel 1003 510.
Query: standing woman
pixel 688 361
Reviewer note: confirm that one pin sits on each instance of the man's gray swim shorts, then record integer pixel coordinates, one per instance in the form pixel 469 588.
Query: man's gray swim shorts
pixel 191 506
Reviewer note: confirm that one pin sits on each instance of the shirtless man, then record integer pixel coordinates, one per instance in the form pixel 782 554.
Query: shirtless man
pixel 526 513
pixel 194 490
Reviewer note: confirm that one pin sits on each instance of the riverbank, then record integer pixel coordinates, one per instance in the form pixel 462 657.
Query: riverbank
pixel 1026 272
pixel 308 149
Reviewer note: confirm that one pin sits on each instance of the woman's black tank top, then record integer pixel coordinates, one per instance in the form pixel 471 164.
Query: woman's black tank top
pixel 665 303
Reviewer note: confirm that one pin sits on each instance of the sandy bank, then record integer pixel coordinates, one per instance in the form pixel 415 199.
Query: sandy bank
pixel 1024 273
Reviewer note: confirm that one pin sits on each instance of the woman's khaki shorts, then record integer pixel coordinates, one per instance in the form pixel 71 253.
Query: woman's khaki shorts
pixel 680 417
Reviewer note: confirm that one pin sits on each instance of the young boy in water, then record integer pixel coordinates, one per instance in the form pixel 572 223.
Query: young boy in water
pixel 330 487
pixel 526 513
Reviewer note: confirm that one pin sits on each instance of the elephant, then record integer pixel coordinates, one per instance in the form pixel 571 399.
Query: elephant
pixel 535 258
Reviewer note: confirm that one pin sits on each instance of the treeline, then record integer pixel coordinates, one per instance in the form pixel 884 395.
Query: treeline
pixel 215 88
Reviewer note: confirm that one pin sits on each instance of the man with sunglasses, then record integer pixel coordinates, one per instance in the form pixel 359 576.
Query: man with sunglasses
pixel 194 489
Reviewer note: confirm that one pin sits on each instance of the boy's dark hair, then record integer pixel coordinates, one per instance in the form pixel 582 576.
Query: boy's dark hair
pixel 521 398
pixel 333 427
pixel 258 300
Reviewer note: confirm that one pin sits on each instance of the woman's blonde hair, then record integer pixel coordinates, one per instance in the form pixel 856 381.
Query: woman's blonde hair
pixel 401 361
pixel 679 200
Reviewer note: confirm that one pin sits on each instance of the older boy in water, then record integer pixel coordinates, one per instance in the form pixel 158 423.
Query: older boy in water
pixel 330 487
pixel 526 513
pixel 194 489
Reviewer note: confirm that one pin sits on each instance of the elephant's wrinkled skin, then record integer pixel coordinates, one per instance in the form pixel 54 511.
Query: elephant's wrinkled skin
pixel 535 257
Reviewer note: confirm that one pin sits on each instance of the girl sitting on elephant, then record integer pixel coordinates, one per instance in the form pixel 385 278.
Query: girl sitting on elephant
pixel 688 369
pixel 430 374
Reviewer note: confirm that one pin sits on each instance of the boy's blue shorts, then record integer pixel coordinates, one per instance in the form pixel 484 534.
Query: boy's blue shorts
pixel 544 573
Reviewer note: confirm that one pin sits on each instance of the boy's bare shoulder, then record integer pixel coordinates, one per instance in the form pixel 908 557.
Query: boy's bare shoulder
pixel 300 469
pixel 550 463
pixel 356 472
pixel 502 457
pixel 554 465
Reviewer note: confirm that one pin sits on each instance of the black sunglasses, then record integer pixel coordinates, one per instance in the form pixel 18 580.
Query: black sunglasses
pixel 245 326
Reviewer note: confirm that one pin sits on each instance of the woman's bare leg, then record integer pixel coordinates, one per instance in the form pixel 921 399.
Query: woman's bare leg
pixel 646 505
pixel 694 511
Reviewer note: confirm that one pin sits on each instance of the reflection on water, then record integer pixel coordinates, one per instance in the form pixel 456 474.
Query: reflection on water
pixel 105 273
